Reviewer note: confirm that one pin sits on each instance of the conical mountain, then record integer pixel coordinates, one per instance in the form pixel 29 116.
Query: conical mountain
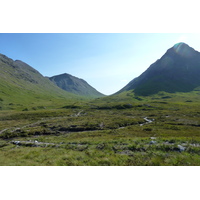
pixel 178 70
pixel 75 85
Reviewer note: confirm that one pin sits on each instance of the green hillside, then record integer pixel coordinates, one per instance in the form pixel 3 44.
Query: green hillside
pixel 21 86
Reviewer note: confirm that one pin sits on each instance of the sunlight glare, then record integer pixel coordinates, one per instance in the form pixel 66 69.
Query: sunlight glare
pixel 182 38
pixel 183 49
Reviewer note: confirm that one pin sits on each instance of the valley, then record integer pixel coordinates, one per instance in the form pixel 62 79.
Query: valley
pixel 63 121
pixel 116 130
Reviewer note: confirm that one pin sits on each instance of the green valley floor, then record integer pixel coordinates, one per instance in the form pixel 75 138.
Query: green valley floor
pixel 126 130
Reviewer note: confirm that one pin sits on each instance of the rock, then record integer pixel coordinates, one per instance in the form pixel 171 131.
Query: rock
pixel 181 148
pixel 153 142
pixel 121 127
pixel 195 145
pixel 16 142
pixel 101 125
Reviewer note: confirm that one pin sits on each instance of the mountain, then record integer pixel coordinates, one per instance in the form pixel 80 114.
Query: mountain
pixel 21 85
pixel 75 85
pixel 178 70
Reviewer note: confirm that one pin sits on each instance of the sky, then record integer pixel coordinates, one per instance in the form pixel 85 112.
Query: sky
pixel 107 61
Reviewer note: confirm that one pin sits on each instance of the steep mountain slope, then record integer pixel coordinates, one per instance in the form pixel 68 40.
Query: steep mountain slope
pixel 178 70
pixel 22 85
pixel 75 85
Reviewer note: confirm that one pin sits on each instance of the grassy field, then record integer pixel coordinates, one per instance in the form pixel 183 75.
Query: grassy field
pixel 121 130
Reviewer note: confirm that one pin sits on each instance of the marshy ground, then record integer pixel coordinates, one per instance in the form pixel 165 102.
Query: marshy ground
pixel 161 130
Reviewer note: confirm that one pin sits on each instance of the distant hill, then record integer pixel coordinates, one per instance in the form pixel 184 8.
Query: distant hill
pixel 21 85
pixel 178 70
pixel 75 85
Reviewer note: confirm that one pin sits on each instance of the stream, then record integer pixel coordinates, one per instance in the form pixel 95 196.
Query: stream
pixel 148 121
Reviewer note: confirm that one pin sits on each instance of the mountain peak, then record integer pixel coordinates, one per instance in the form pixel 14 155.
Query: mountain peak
pixel 181 44
pixel 183 49
pixel 75 85
pixel 177 70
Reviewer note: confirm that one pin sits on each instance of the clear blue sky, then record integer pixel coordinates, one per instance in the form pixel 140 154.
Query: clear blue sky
pixel 107 61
